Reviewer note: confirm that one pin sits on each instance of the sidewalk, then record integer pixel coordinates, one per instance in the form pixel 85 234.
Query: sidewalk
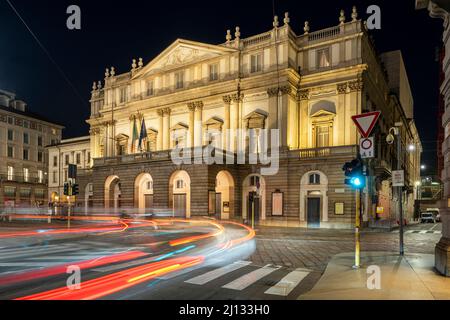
pixel 409 278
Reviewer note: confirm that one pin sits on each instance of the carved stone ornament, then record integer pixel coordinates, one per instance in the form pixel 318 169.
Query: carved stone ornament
pixel 342 88
pixel 356 85
pixel 303 94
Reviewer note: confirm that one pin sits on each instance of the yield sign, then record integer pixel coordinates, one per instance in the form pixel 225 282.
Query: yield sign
pixel 365 122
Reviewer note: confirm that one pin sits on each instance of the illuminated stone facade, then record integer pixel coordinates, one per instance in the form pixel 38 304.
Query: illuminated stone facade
pixel 308 86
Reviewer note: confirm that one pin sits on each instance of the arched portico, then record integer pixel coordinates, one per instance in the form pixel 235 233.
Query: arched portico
pixel 249 187
pixel 88 195
pixel 224 194
pixel 314 198
pixel 112 192
pixel 180 193
pixel 143 191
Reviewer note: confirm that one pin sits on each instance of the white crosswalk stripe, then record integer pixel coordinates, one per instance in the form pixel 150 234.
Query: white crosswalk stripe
pixel 288 283
pixel 214 274
pixel 250 278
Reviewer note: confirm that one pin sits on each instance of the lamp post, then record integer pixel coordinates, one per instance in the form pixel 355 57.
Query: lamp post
pixel 395 131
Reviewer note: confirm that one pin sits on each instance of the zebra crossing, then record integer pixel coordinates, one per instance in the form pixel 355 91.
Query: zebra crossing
pixel 244 279
pixel 19 258
pixel 420 232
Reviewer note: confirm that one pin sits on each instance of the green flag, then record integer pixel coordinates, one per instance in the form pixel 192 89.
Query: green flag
pixel 135 136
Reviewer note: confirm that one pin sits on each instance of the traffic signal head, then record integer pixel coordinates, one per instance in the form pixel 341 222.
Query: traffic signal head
pixel 66 189
pixel 354 171
pixel 75 189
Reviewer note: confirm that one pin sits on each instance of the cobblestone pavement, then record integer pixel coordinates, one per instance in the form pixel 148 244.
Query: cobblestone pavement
pixel 312 249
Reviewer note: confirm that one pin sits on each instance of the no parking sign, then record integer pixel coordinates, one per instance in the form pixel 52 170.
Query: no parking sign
pixel 366 147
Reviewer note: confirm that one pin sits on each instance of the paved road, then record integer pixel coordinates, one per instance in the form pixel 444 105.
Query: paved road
pixel 280 263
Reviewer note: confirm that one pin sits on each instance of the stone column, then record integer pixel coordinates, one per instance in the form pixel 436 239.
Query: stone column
pixel 191 107
pixel 226 121
pixel 283 107
pixel 198 134
pixel 235 120
pixel 303 96
pixel 166 128
pixel 159 138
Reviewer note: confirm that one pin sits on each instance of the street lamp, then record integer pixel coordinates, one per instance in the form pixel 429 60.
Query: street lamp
pixel 423 167
pixel 411 147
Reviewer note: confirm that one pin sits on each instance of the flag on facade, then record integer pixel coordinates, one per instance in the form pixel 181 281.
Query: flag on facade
pixel 143 136
pixel 134 137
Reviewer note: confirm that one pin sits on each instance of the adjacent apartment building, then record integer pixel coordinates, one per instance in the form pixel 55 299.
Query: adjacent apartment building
pixel 68 151
pixel 23 158
pixel 306 85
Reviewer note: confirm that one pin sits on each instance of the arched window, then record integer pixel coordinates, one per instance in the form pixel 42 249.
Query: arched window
pixel 314 178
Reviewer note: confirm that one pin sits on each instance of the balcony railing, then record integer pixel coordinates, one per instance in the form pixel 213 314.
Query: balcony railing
pixel 19 178
pixel 326 152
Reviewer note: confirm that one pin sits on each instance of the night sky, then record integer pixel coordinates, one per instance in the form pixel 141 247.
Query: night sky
pixel 115 32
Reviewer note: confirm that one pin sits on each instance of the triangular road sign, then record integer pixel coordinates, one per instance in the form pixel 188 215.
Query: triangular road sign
pixel 365 122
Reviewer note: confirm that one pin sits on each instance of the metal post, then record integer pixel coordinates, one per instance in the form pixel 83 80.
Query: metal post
pixel 253 213
pixel 357 228
pixel 400 191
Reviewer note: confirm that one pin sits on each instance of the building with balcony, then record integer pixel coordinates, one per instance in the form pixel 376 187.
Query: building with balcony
pixel 23 158
pixel 69 151
pixel 307 86
pixel 441 9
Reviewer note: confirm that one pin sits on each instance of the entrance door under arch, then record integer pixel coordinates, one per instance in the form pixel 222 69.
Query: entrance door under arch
pixel 313 212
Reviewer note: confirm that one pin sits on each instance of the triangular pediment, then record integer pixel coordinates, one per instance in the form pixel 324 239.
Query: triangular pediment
pixel 180 126
pixel 322 113
pixel 182 52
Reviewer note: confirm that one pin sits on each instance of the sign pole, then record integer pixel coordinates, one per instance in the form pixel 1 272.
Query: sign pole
pixel 357 229
pixel 400 191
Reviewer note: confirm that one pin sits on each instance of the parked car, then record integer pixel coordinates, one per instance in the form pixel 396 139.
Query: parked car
pixel 428 216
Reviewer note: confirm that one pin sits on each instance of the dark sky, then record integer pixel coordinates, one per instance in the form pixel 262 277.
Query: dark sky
pixel 114 32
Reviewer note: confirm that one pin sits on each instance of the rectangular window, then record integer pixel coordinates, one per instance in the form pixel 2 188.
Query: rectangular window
pixel 26 124
pixel 323 58
pixel 256 63
pixel 40 156
pixel 322 136
pixel 55 176
pixel 26 138
pixel 78 158
pixel 10 152
pixel 10 192
pixel 180 184
pixel 10 173
pixel 123 95
pixel 179 79
pixel 150 88
pixel 55 161
pixel 39 193
pixel 10 120
pixel 213 72
pixel 66 162
pixel 66 176
pixel 89 157
pixel 26 174
pixel 25 193
pixel 10 135
pixel 40 176
pixel 26 154
pixel 39 141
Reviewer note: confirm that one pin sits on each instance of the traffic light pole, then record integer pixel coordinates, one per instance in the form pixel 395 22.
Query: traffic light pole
pixel 357 229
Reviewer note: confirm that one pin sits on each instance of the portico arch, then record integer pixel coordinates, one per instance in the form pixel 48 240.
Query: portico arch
pixel 250 186
pixel 180 193
pixel 313 192
pixel 225 194
pixel 112 192
pixel 143 191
